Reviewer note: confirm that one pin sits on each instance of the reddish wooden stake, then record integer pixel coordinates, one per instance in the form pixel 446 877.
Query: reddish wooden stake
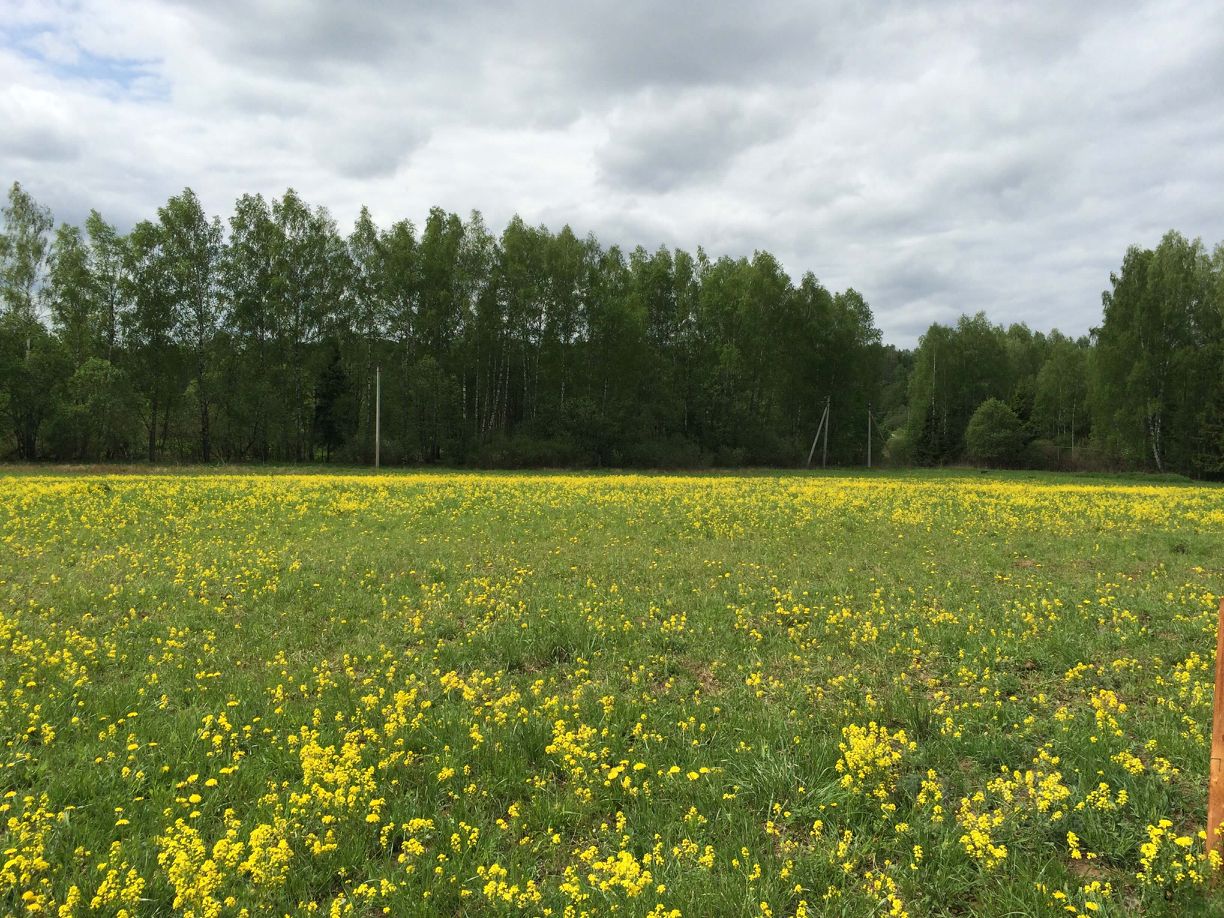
pixel 1215 790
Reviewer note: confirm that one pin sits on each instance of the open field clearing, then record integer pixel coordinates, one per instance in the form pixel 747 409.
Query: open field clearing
pixel 642 695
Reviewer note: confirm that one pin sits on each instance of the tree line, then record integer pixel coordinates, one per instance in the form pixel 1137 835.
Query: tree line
pixel 258 339
pixel 1145 390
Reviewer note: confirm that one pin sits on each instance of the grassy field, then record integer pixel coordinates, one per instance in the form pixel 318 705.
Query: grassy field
pixel 583 695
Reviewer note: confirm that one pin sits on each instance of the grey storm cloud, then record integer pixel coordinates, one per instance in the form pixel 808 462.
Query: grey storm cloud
pixel 658 143
pixel 940 156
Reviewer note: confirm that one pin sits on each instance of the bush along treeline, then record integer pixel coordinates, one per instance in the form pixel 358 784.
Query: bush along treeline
pixel 258 339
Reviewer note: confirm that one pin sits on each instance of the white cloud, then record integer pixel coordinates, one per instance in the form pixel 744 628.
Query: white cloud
pixel 941 157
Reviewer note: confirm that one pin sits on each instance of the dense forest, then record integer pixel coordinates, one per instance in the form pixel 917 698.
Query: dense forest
pixel 259 339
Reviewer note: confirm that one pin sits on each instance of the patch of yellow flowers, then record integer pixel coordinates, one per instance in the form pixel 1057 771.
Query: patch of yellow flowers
pixel 573 695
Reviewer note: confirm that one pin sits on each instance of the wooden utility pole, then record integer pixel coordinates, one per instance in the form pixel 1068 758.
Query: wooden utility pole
pixel 869 435
pixel 824 453
pixel 377 412
pixel 824 416
pixel 1215 789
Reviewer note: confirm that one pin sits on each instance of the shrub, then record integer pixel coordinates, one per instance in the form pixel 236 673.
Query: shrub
pixel 1043 454
pixel 994 435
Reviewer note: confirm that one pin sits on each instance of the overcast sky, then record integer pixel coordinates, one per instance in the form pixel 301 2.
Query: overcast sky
pixel 940 157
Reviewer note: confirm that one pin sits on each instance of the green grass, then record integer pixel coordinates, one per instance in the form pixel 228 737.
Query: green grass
pixel 713 642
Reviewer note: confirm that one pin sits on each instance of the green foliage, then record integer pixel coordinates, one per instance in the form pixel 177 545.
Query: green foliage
pixel 995 435
pixel 529 348
pixel 1060 403
pixel 1157 385
pixel 32 362
pixel 24 246
pixel 955 370
pixel 94 414
pixel 335 411
pixel 260 341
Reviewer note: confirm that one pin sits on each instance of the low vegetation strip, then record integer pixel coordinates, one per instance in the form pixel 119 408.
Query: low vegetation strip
pixel 585 694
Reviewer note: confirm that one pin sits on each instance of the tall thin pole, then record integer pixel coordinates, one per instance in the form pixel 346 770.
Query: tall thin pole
pixel 824 454
pixel 869 435
pixel 816 439
pixel 1215 789
pixel 377 412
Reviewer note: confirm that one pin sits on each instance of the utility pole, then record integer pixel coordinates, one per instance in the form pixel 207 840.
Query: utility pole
pixel 824 453
pixel 377 412
pixel 824 416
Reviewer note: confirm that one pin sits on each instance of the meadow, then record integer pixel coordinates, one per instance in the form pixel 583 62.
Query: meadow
pixel 545 694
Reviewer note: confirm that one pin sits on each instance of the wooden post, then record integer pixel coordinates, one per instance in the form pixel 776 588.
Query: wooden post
pixel 824 454
pixel 824 414
pixel 1215 789
pixel 869 435
pixel 377 412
